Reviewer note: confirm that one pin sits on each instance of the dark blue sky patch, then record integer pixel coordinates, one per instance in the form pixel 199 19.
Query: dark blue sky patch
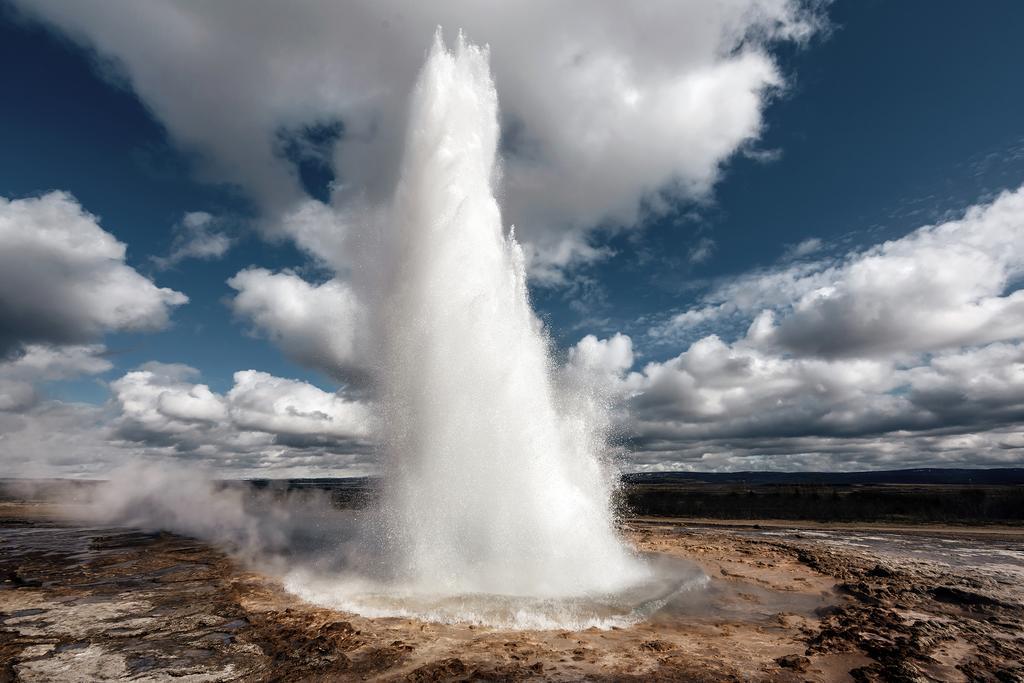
pixel 310 148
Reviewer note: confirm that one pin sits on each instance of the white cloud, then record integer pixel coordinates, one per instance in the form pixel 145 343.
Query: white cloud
pixel 718 390
pixel 733 406
pixel 195 237
pixel 601 360
pixel 37 363
pixel 988 382
pixel 262 402
pixel 941 286
pixel 606 105
pixel 160 398
pixel 321 231
pixel 995 448
pixel 315 325
pixel 263 426
pixel 63 279
pixel 906 353
pixel 16 394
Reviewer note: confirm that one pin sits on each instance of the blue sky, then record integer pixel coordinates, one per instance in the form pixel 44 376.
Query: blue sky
pixel 883 118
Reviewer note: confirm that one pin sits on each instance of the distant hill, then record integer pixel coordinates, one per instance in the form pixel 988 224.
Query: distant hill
pixel 1009 476
pixel 926 475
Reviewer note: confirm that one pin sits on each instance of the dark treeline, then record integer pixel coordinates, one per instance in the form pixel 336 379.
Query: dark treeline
pixel 903 496
pixel 968 504
pixel 737 497
pixel 1000 476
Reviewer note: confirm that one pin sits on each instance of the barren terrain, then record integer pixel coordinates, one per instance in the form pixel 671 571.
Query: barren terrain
pixel 784 604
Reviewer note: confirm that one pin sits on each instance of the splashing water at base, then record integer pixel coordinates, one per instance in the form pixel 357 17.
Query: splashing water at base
pixel 668 579
pixel 497 502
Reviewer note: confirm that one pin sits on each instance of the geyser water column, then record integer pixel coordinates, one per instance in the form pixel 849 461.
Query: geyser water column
pixel 496 506
pixel 490 486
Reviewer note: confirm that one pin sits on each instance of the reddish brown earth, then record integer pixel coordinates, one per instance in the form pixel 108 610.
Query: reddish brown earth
pixel 82 604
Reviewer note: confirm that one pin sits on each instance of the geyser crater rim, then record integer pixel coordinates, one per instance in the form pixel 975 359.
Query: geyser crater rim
pixel 670 578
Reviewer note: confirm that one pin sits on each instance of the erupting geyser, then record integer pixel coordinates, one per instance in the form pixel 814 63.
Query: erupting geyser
pixel 488 487
pixel 497 502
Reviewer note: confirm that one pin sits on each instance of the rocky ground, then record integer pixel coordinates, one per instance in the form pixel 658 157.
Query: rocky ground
pixel 80 604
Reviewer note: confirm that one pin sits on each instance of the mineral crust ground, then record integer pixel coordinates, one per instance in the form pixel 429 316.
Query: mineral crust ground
pixel 785 603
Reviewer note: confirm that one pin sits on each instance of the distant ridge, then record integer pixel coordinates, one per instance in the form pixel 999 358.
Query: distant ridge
pixel 1011 476
pixel 925 475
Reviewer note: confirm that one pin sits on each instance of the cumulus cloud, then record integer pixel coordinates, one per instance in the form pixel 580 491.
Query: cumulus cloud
pixel 994 448
pixel 315 325
pixel 600 361
pixel 608 109
pixel 264 426
pixel 196 236
pixel 262 421
pixel 21 375
pixel 941 286
pixel 322 231
pixel 733 406
pixel 262 402
pixel 905 353
pixel 720 390
pixel 64 280
pixel 984 385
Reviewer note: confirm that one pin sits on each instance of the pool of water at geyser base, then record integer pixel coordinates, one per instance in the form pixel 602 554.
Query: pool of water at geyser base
pixel 670 580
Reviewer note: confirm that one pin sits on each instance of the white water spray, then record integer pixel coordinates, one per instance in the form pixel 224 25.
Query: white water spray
pixel 496 506
pixel 490 487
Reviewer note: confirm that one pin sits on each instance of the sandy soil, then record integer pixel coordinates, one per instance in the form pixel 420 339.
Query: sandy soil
pixel 98 604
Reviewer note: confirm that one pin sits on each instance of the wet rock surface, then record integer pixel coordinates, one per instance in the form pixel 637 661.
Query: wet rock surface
pixel 88 604
pixel 912 619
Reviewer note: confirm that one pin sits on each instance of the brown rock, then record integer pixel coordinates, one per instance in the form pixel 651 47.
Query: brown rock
pixel 441 670
pixel 797 663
